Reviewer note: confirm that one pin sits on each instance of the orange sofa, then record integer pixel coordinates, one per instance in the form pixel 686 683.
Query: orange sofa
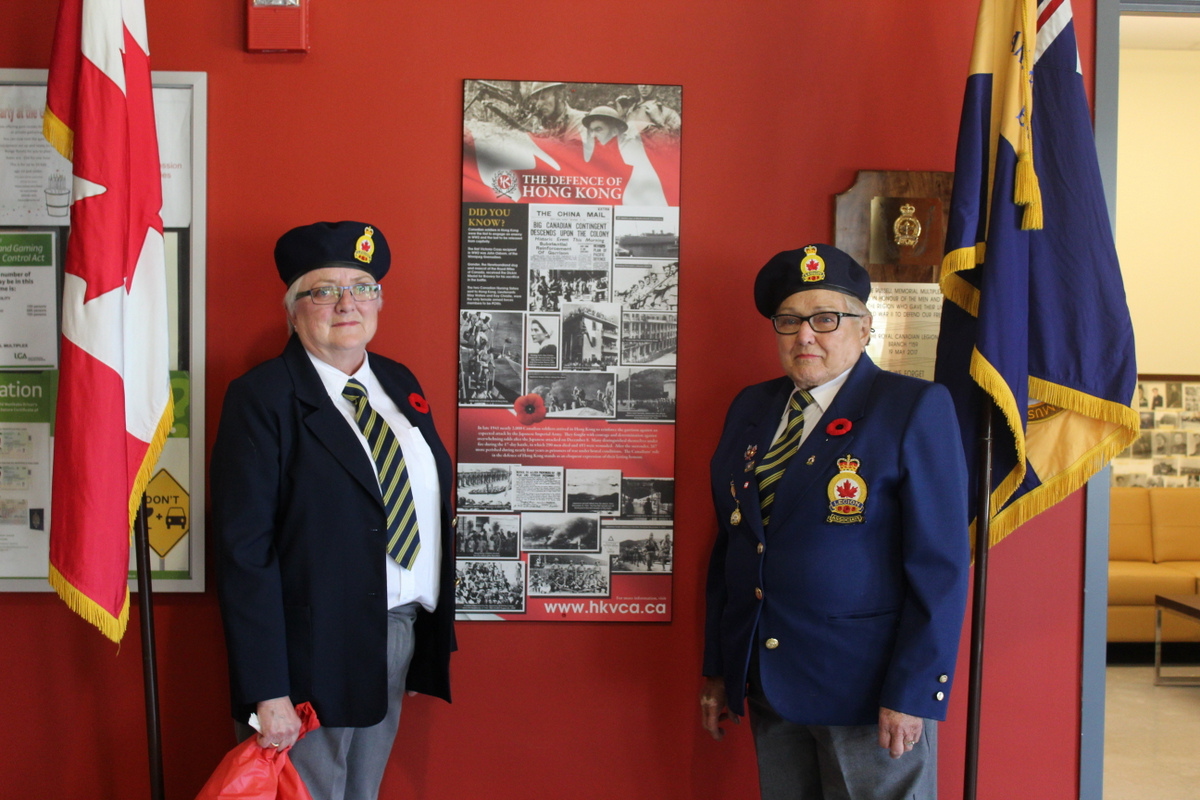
pixel 1153 548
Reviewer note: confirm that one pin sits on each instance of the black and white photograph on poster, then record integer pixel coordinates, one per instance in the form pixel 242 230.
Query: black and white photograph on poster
pixel 576 394
pixel 1166 419
pixel 647 233
pixel 647 498
pixel 537 488
pixel 489 586
pixel 589 335
pixel 555 532
pixel 541 346
pixel 485 487
pixel 488 536
pixel 595 491
pixel 1189 419
pixel 547 141
pixel 646 394
pixel 494 254
pixel 646 285
pixel 574 575
pixel 490 355
pixel 649 337
pixel 570 237
pixel 638 548
pixel 1142 446
pixel 1161 439
pixel 550 288
pixel 1193 447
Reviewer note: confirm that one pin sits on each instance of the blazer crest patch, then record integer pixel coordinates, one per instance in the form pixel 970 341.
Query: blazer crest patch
pixel 847 492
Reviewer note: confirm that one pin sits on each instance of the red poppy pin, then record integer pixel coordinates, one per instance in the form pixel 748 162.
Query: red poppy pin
pixel 418 402
pixel 839 426
pixel 530 408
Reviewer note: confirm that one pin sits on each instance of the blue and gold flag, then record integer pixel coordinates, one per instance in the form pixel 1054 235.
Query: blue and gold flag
pixel 1035 310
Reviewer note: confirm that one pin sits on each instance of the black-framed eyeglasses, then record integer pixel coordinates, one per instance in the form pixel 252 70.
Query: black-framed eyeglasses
pixel 328 295
pixel 822 322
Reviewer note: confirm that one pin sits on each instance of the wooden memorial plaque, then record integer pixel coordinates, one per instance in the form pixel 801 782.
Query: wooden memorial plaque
pixel 894 223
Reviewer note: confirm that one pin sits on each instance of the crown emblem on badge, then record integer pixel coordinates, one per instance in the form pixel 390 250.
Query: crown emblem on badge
pixel 812 266
pixel 364 248
pixel 907 228
pixel 848 463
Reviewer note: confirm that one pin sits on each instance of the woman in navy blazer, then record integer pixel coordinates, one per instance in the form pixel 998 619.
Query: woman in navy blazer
pixel 838 620
pixel 300 525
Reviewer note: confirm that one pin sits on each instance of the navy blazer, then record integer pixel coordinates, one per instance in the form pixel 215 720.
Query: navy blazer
pixel 300 527
pixel 862 614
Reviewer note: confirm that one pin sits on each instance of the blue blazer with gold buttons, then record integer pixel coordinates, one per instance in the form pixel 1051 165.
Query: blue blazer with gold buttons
pixel 853 597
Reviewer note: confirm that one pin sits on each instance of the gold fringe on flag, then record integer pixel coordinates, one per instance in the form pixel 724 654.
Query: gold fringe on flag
pixel 61 137
pixel 89 609
pixel 155 449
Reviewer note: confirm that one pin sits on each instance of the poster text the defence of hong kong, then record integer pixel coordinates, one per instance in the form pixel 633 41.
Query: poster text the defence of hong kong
pixel 567 343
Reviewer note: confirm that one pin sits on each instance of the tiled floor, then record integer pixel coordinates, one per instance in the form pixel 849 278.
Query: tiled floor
pixel 1151 737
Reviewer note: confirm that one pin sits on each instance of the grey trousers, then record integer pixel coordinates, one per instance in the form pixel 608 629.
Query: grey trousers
pixel 841 762
pixel 348 763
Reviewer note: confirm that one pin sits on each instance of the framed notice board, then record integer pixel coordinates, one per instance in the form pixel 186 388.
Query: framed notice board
pixel 35 193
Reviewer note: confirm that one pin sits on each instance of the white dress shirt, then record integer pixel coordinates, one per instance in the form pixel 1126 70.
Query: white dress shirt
pixel 822 399
pixel 420 584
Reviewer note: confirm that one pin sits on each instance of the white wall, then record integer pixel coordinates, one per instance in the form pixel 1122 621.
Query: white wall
pixel 1158 205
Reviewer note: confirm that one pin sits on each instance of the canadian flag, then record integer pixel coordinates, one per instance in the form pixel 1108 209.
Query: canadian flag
pixel 114 400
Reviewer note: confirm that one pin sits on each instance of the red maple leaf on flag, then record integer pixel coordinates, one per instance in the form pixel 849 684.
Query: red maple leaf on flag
pixel 846 489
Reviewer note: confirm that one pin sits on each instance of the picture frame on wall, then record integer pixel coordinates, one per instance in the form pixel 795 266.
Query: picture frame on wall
pixel 1167 451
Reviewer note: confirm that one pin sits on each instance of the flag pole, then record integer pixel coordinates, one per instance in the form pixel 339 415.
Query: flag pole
pixel 149 655
pixel 983 519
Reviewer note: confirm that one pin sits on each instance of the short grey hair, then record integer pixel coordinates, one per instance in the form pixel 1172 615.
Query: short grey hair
pixel 289 302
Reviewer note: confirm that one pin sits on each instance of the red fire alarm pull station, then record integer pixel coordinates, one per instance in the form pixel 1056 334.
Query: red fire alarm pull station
pixel 277 26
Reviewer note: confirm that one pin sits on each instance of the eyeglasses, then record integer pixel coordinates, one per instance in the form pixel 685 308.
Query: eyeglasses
pixel 824 322
pixel 328 295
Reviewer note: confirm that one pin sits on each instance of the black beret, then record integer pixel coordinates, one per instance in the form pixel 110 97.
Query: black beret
pixel 815 266
pixel 332 244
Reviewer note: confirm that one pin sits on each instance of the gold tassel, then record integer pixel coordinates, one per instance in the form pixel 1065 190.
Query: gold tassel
pixel 1028 191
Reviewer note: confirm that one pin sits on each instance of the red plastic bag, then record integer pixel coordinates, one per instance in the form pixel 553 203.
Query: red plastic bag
pixel 250 772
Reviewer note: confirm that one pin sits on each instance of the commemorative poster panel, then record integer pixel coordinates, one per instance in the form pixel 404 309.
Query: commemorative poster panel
pixel 567 344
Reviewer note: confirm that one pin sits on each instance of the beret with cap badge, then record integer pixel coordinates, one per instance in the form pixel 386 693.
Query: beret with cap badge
pixel 332 244
pixel 815 266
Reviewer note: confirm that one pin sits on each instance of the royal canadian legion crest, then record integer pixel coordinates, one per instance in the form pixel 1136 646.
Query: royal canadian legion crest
pixel 847 492
pixel 907 228
pixel 812 266
pixel 364 248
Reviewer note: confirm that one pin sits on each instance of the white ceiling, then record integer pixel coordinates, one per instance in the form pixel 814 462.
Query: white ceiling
pixel 1161 32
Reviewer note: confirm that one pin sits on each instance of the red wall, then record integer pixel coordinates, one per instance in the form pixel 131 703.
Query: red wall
pixel 783 103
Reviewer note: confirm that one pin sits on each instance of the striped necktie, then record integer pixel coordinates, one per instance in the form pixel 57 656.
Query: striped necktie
pixel 403 538
pixel 775 462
